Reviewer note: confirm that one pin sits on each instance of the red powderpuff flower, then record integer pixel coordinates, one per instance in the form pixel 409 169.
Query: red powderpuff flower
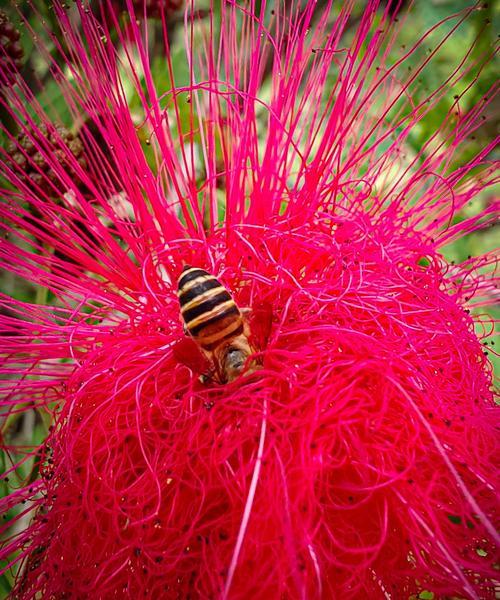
pixel 358 462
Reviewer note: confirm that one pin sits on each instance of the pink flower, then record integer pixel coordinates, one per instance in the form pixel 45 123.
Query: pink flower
pixel 358 462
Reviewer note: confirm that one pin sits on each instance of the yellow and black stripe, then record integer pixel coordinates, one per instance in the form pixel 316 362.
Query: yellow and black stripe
pixel 207 308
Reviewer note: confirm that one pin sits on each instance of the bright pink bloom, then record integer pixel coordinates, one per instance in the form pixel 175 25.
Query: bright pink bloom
pixel 358 463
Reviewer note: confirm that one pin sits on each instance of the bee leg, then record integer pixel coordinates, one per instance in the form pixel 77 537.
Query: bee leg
pixel 209 376
pixel 253 367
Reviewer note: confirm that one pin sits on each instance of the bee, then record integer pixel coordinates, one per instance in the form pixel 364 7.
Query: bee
pixel 214 321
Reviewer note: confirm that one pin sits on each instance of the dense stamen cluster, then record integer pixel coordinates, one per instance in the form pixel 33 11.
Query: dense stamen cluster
pixel 370 375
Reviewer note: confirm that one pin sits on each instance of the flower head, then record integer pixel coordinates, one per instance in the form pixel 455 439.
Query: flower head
pixel 358 461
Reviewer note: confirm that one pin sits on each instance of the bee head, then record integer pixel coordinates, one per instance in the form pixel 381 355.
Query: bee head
pixel 235 357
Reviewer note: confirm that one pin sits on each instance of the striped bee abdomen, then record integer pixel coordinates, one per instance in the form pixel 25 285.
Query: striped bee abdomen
pixel 207 308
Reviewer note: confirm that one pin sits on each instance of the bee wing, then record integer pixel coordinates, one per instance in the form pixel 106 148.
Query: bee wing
pixel 187 352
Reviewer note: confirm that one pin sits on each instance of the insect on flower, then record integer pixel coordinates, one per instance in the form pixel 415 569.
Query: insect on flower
pixel 218 326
